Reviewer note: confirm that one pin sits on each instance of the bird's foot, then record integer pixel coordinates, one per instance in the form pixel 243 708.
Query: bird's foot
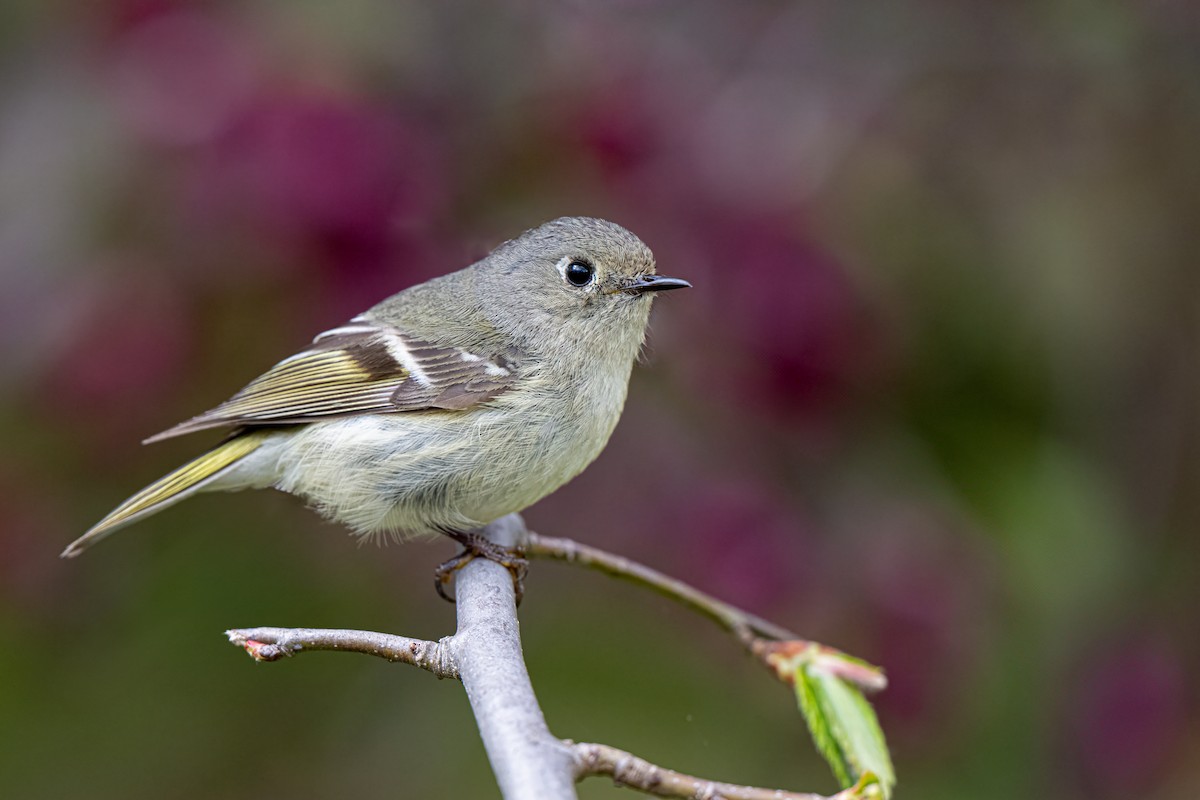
pixel 475 546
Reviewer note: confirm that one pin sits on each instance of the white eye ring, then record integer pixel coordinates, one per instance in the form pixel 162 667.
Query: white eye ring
pixel 576 272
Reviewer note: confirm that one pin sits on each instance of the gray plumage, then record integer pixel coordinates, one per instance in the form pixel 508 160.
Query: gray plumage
pixel 445 406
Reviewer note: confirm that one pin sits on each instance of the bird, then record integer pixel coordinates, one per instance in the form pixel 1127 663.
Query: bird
pixel 444 407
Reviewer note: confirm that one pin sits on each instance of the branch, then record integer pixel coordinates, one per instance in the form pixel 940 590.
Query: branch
pixel 775 647
pixel 272 644
pixel 485 654
pixel 627 769
pixel 530 763
pixel 747 627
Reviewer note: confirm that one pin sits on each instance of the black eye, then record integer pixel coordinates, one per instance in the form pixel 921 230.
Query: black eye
pixel 579 273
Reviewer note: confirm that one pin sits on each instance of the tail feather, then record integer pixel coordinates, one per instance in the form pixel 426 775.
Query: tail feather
pixel 170 489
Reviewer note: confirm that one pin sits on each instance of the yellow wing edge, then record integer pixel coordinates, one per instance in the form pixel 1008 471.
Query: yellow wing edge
pixel 169 489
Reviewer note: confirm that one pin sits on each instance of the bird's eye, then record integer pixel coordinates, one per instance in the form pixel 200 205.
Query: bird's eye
pixel 578 273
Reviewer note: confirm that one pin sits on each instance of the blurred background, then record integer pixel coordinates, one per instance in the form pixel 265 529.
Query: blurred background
pixel 933 399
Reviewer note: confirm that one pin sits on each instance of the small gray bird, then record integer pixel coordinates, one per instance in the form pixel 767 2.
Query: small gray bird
pixel 446 406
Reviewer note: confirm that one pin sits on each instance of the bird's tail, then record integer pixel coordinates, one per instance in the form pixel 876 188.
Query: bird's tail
pixel 192 477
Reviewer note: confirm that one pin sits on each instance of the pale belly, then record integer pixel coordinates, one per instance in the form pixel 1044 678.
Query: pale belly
pixel 415 473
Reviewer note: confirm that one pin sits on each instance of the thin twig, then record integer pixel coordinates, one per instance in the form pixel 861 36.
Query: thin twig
pixel 626 769
pixel 272 644
pixel 747 627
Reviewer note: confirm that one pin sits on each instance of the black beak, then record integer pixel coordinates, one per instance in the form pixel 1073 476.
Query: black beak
pixel 655 283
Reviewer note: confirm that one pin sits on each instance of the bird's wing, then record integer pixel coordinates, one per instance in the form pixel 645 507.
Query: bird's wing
pixel 361 368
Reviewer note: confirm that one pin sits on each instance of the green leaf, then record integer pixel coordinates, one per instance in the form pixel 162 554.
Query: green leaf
pixel 819 726
pixel 843 726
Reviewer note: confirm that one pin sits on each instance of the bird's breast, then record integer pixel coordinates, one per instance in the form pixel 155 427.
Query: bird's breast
pixel 417 471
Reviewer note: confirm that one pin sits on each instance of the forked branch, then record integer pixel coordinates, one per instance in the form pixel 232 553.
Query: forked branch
pixel 485 654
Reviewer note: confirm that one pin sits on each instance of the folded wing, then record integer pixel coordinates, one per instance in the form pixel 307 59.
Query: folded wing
pixel 361 368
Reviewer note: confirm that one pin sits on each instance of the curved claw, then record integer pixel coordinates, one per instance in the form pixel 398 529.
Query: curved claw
pixel 475 546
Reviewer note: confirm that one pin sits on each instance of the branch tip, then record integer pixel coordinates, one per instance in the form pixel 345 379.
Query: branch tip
pixel 784 658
